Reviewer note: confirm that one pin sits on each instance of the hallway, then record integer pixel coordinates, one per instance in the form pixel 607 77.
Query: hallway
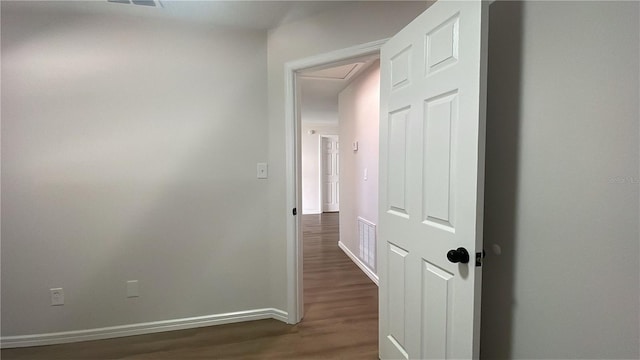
pixel 340 322
pixel 341 302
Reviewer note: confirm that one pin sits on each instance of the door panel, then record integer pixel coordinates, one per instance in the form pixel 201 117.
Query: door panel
pixel 437 294
pixel 439 153
pixel 431 182
pixel 442 45
pixel 401 68
pixel 328 192
pixel 397 298
pixel 397 162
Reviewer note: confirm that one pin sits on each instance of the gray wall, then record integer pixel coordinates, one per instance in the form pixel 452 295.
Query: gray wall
pixel 129 151
pixel 562 181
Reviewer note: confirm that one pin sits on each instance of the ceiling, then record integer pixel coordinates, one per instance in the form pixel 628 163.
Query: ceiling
pixel 248 14
pixel 341 72
pixel 259 15
pixel 320 87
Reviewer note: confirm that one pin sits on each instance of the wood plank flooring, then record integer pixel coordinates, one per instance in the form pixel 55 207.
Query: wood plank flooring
pixel 340 321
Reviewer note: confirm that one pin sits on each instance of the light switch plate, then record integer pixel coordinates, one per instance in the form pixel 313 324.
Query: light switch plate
pixel 262 171
pixel 133 290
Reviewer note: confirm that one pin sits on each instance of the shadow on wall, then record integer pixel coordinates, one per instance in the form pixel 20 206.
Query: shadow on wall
pixel 501 178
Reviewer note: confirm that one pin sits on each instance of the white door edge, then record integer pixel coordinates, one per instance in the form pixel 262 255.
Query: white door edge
pixel 293 180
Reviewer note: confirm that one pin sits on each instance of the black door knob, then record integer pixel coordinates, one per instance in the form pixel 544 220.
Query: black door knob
pixel 459 255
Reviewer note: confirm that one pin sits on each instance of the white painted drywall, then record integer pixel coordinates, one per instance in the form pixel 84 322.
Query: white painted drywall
pixel 359 114
pixel 333 30
pixel 562 182
pixel 311 203
pixel 129 151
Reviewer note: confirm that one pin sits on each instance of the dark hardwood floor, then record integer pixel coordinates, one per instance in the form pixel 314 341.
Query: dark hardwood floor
pixel 340 320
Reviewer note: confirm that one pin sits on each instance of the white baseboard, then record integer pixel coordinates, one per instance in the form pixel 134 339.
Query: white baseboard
pixel 141 328
pixel 365 269
pixel 311 211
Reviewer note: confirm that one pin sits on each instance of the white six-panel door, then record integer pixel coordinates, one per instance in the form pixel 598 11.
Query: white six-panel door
pixel 330 173
pixel 431 183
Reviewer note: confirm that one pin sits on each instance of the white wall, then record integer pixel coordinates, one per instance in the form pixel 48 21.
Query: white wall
pixel 129 151
pixel 562 182
pixel 329 31
pixel 359 114
pixel 311 203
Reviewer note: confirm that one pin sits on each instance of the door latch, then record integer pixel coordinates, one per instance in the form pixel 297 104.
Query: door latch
pixel 295 211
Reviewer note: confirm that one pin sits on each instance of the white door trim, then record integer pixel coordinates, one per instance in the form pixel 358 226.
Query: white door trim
pixel 293 179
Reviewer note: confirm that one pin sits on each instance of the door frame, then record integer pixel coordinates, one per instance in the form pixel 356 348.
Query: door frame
pixel 320 174
pixel 295 299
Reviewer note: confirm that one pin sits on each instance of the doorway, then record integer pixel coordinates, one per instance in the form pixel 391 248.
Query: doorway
pixel 347 61
pixel 329 173
pixel 331 107
pixel 432 161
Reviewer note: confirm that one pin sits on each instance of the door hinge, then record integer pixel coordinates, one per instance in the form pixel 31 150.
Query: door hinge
pixel 479 257
pixel 295 211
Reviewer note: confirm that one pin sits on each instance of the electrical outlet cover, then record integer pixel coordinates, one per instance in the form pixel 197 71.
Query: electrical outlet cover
pixel 57 297
pixel 262 170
